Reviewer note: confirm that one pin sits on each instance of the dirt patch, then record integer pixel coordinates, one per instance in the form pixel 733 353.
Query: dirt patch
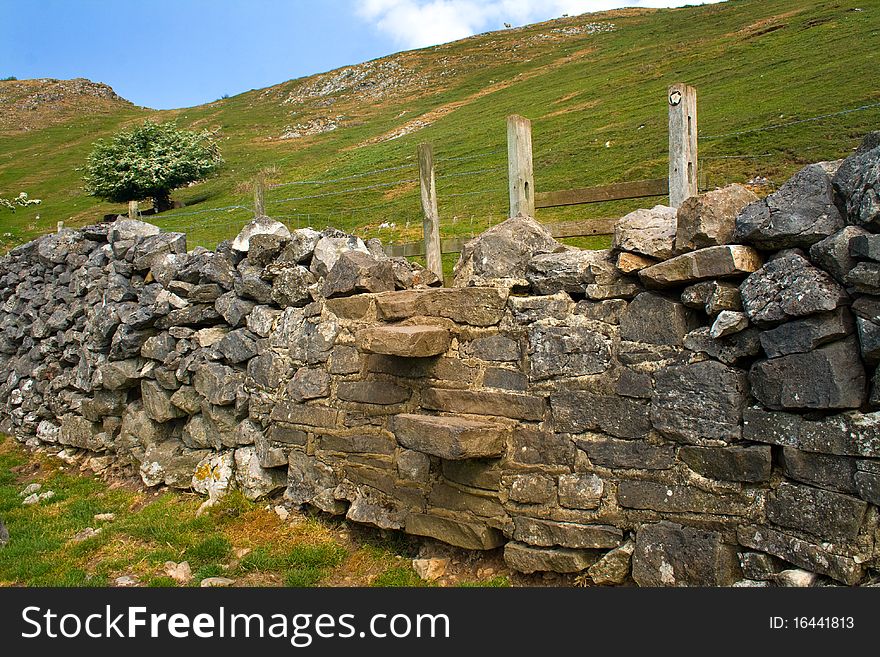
pixel 764 26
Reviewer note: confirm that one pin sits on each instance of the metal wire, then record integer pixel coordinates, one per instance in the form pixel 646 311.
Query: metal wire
pixel 790 123
pixel 344 191
pixel 330 181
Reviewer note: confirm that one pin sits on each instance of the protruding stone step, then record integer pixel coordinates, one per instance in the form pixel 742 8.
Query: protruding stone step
pixel 407 341
pixel 452 438
pixel 711 262
pixel 468 535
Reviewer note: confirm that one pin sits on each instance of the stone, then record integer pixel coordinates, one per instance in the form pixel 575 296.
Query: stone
pixel 258 226
pixel 130 230
pixel 639 385
pixel 208 337
pixel 309 383
pixel 699 402
pixel 264 248
pixel 825 471
pixel 813 557
pixel 722 296
pixel 668 554
pixel 580 491
pixel 194 315
pixel 219 384
pixel 868 485
pixel 803 335
pixel 710 219
pixel 712 262
pixel 494 348
pixel 547 533
pixel 844 434
pixel 475 473
pixel 216 582
pixel 857 183
pixel 746 464
pixel 415 466
pixel 614 566
pixel 461 533
pixel 566 271
pixel 158 347
pixel 127 342
pixel 233 310
pixel 157 402
pixel 290 287
pixel 869 340
pixel 169 462
pixel 214 475
pixel 829 377
pixel 789 287
pixel 567 351
pixel 673 498
pixel 152 250
pixel 798 214
pixel 865 246
pixel 527 559
pixel 304 414
pixel 252 479
pixel 358 444
pixel 301 245
pixel 503 252
pixel 328 249
pixel 4 535
pixel 406 341
pixel 760 566
pixel 103 403
pixel 695 296
pixel 451 438
pixel 479 402
pixel 729 349
pixel 577 411
pixel 824 514
pixel 355 272
pixel 372 392
pixel 261 320
pixel 647 232
pixel 654 319
pixel 631 263
pixel 79 432
pixel 179 572
pixel 431 569
pixel 474 306
pixel 795 578
pixel 531 489
pixel 250 284
pixel 237 346
pixel 865 278
pixel 833 253
pixel 527 310
pixel 727 323
pixel 626 454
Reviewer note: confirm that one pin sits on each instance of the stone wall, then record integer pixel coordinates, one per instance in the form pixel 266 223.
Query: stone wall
pixel 694 406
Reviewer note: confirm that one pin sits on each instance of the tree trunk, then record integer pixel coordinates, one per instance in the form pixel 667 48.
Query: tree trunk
pixel 162 201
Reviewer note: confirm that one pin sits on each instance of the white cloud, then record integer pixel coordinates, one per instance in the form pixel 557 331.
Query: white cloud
pixel 420 23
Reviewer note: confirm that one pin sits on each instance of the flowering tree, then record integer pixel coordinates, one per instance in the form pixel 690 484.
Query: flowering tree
pixel 149 161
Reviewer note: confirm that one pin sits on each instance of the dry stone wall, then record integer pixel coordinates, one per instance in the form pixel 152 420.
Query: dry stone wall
pixel 695 406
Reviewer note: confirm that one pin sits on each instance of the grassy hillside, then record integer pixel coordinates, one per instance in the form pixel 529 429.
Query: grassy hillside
pixel 593 85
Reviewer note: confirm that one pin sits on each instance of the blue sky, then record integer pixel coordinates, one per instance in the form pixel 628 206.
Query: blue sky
pixel 177 53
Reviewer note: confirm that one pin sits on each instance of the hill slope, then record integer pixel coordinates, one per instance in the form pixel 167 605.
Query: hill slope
pixel 593 85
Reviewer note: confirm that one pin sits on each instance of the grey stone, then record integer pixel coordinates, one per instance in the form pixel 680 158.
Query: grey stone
pixel 415 466
pixel 747 464
pixel 474 306
pixel 712 262
pixel 261 320
pixel 833 253
pixel 614 566
pixel 218 383
pixel 845 434
pixel 798 214
pixel 503 253
pixel 127 342
pixel 461 533
pixel 829 377
pixel 527 559
pixel 328 249
pixel 868 486
pixel 169 462
pixel 372 392
pixel 654 319
pixel 406 341
pixel 475 473
pixel 673 498
pixel 759 566
pixel 803 335
pixel 157 402
pixel 120 374
pixel 250 284
pixel 355 272
pixel 449 437
pixel 531 489
pixel 547 533
pixel 580 491
pixel 253 480
pixel 722 296
pixel 290 286
pixel 668 554
pixel 635 384
pixel 608 311
pixel 825 471
pixel 479 402
pixel 527 310
pixel 710 219
pixel 729 349
pixel 301 246
pixel 130 229
pixel 857 182
pixel 865 246
pixel 577 411
pixel 699 402
pixel 158 347
pixel 648 232
pixel 559 351
pixel 152 250
pixel 496 348
pixel 194 315
pixel 264 249
pixel 103 403
pixel 258 226
pixel 567 271
pixel 865 277
pixel 824 514
pixel 695 296
pixel 627 454
pixel 309 383
pixel 233 310
pixel 802 553
pixel 237 346
pixel 531 446
pixel 789 287
pixel 727 323
pixel 306 415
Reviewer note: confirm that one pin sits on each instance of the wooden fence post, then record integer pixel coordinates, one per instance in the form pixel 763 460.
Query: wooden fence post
pixel 133 209
pixel 520 174
pixel 431 221
pixel 683 181
pixel 259 195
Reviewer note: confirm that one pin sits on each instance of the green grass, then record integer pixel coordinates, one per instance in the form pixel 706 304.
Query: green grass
pixel 755 63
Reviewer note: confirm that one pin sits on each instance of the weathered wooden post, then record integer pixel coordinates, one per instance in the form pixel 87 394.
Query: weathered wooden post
pixel 259 195
pixel 431 221
pixel 683 181
pixel 520 173
pixel 133 209
pixel 60 226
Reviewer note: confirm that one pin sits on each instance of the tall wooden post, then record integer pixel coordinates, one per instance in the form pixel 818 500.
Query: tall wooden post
pixel 520 174
pixel 683 182
pixel 259 195
pixel 133 209
pixel 431 221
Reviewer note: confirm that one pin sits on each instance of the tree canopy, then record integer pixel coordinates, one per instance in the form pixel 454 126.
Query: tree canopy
pixel 148 161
